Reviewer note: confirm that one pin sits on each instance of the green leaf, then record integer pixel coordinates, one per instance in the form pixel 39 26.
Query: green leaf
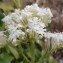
pixel 5 57
pixel 6 6
pixel 1 16
pixel 13 51
pixel 51 60
pixel 17 3
pixel 22 62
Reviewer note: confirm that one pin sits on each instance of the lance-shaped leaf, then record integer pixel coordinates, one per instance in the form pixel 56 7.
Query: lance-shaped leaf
pixel 13 51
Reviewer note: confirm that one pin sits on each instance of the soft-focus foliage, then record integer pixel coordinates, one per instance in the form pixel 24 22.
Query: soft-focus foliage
pixel 8 7
pixel 1 23
pixel 5 56
pixel 17 3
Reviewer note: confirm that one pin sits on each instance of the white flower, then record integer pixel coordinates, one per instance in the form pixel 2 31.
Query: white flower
pixel 32 18
pixel 54 38
pixel 15 32
pixel 8 20
pixel 37 26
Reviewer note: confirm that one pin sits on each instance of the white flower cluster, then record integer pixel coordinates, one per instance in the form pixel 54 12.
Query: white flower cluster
pixel 31 18
pixel 55 39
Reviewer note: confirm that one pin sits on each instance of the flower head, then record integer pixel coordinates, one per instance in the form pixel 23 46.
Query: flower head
pixel 31 18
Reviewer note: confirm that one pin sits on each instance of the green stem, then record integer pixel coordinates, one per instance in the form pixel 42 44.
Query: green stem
pixel 32 51
pixel 21 51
